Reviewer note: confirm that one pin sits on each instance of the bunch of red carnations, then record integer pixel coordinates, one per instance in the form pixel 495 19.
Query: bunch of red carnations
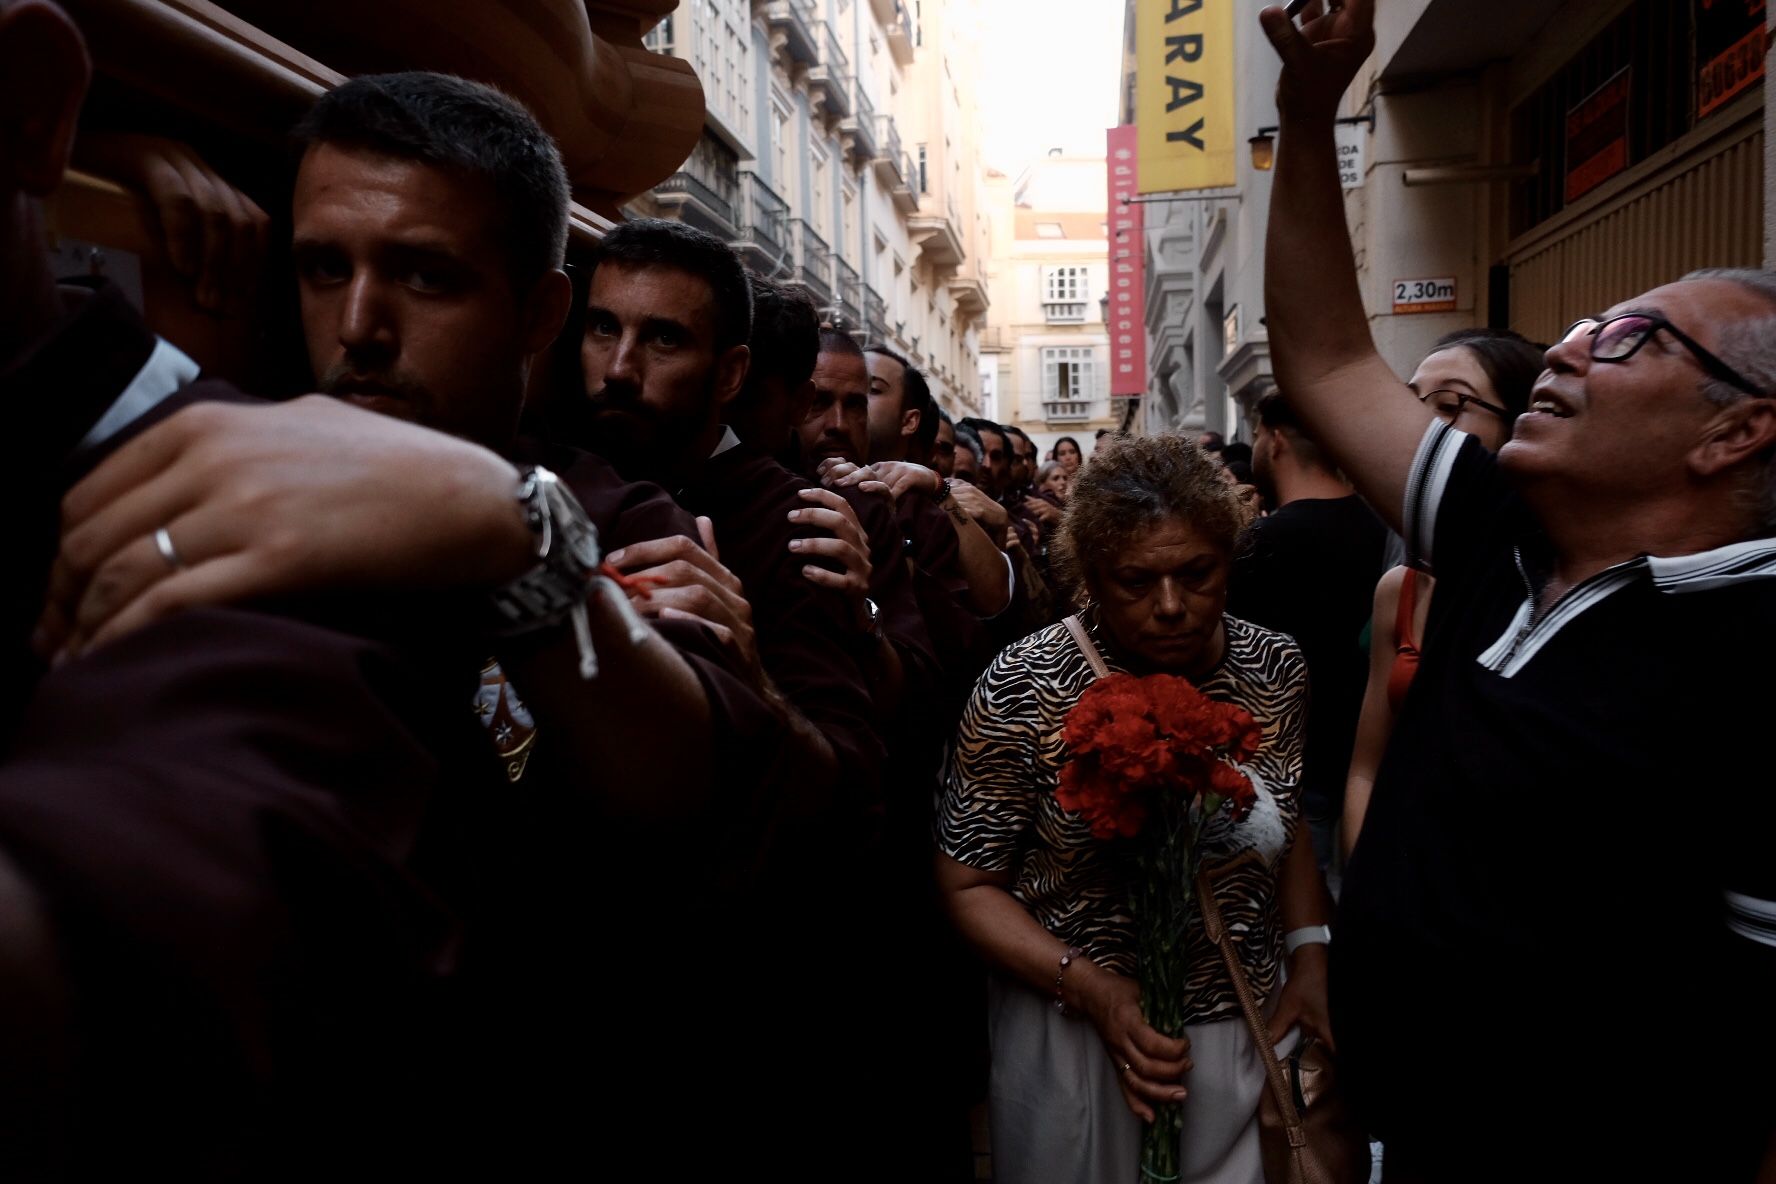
pixel 1149 762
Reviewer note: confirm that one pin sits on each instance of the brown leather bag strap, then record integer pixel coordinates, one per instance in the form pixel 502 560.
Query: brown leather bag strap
pixel 1086 646
pixel 1273 1070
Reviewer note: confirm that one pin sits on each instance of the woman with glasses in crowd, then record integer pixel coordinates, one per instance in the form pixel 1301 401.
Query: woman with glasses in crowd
pixel 1478 381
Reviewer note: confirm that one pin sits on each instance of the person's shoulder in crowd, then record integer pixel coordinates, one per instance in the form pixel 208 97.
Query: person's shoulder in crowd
pixel 742 480
pixel 225 812
pixel 1050 641
pixel 625 512
pixel 748 496
pixel 1034 661
pixel 1266 653
pixel 806 635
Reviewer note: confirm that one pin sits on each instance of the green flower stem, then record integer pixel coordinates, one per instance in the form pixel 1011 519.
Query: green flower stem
pixel 1160 899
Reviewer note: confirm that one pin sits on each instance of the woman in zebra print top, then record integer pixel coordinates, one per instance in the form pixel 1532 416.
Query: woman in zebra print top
pixel 1146 541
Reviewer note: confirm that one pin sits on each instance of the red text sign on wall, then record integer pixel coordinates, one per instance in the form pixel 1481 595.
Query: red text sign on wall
pixel 1597 136
pixel 1730 47
pixel 1128 283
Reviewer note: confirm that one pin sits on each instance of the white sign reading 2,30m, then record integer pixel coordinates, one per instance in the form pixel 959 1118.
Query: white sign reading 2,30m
pixel 1427 295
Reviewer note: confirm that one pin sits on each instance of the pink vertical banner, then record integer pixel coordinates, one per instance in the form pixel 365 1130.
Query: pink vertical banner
pixel 1128 280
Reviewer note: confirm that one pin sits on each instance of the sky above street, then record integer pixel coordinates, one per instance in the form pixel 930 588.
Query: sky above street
pixel 1049 72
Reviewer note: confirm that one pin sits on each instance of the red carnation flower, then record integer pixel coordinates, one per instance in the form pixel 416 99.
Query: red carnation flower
pixel 1129 738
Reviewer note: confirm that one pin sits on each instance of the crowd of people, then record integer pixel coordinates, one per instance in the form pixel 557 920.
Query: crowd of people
pixel 616 721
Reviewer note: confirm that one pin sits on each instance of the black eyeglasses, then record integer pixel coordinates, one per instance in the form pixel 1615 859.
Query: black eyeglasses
pixel 1620 338
pixel 1450 404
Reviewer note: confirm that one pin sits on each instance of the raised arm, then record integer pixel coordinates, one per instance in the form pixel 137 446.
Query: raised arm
pixel 1325 360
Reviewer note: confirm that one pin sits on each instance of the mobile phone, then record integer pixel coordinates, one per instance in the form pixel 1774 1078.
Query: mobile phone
pixel 1294 8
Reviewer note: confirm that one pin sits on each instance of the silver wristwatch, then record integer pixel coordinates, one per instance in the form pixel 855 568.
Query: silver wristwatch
pixel 567 554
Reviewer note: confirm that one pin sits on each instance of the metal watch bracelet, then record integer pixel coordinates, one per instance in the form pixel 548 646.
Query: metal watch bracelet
pixel 567 554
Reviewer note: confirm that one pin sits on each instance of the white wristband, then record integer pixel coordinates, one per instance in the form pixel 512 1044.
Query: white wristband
pixel 1307 935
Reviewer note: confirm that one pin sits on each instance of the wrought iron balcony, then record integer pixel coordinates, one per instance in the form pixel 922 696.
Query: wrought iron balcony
pixel 875 315
pixel 889 140
pixel 1067 410
pixel 829 82
pixel 792 24
pixel 906 193
pixel 697 204
pixel 762 233
pixel 901 35
pixel 847 294
pixel 1064 312
pixel 814 264
pixel 859 128
pixel 891 159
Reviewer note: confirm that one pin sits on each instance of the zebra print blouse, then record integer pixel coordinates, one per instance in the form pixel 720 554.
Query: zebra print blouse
pixel 999 812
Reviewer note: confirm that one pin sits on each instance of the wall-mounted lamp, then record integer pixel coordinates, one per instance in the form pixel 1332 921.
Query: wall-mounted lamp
pixel 1264 143
pixel 1264 149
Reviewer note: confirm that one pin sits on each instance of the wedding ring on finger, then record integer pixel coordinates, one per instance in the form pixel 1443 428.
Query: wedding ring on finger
pixel 1128 1068
pixel 163 542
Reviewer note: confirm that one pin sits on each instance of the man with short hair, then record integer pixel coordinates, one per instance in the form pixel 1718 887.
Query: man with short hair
pixel 667 320
pixel 995 472
pixel 1040 515
pixel 1308 569
pixel 969 453
pixel 837 425
pixel 429 222
pixel 899 421
pixel 421 299
pixel 936 1029
pixel 940 518
pixel 943 447
pixel 1565 872
pixel 835 432
pixel 230 860
pixel 1023 461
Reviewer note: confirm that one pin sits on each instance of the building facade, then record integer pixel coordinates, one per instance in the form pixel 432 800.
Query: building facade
pixel 1208 355
pixel 1554 159
pixel 1517 171
pixel 1047 354
pixel 836 153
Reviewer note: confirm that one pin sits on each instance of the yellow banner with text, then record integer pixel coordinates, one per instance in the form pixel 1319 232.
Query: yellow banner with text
pixel 1184 94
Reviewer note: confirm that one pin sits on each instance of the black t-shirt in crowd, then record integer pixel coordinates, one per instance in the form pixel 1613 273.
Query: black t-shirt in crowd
pixel 1553 956
pixel 1309 570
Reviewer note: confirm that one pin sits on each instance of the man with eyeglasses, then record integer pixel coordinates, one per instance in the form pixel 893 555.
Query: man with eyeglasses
pixel 1556 948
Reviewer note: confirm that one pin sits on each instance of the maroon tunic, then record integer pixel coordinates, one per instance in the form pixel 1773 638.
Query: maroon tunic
pixel 298 913
pixel 808 638
pixel 238 827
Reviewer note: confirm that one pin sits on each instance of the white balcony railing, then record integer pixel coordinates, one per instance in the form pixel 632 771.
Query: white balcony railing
pixel 1067 410
pixel 1063 312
